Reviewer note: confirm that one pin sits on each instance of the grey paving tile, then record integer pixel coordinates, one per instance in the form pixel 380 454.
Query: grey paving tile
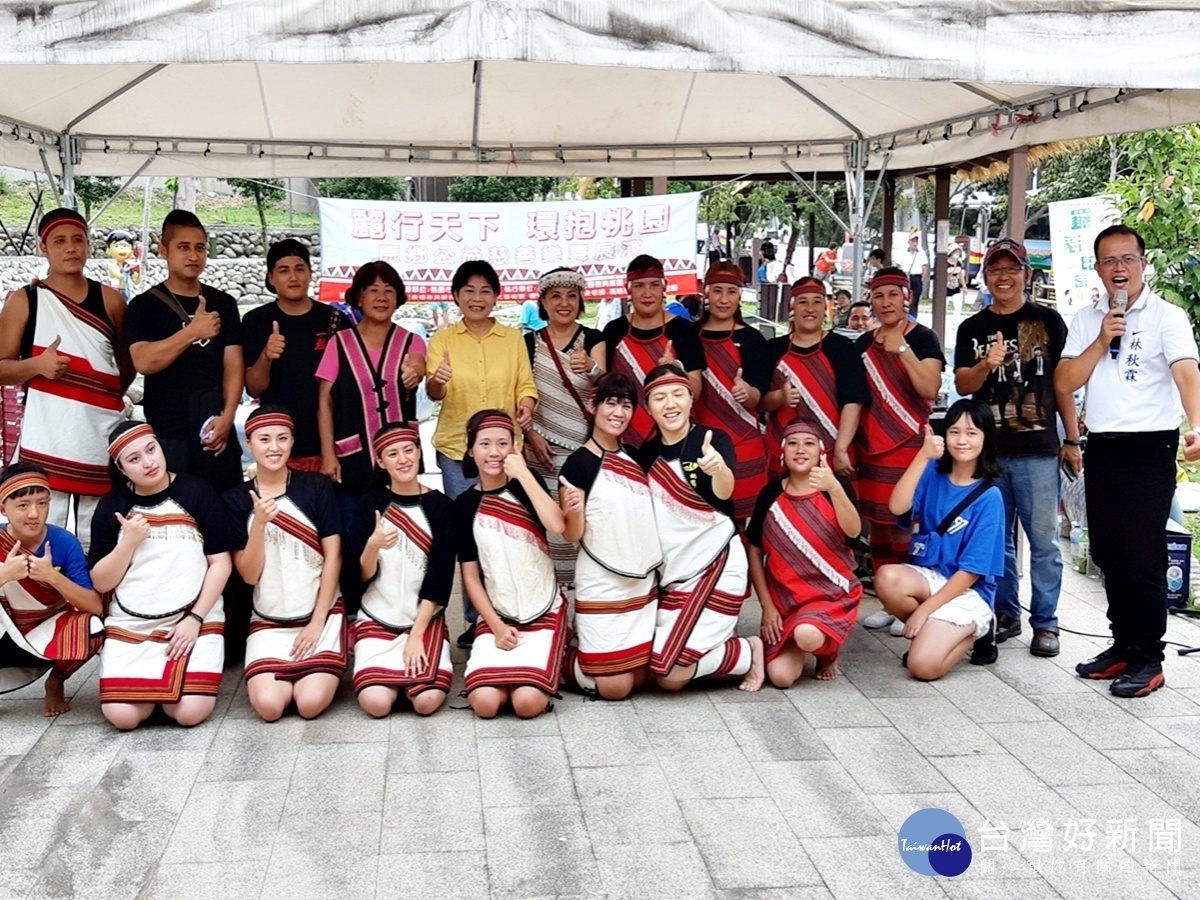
pixel 507 725
pixel 983 697
pixel 8 763
pixel 336 778
pixel 688 710
pixel 1030 675
pixel 32 820
pixel 1135 801
pixel 881 760
pixel 790 893
pixel 656 870
pixel 883 677
pixel 705 764
pixel 319 873
pixel 21 724
pixel 531 771
pixel 149 785
pixel 100 856
pixel 68 757
pixel 227 821
pixel 17 883
pixel 935 726
pixel 1173 774
pixel 1003 789
pixel 748 844
pixel 1164 702
pixel 443 742
pixel 604 734
pixel 241 880
pixel 772 731
pixel 1055 755
pixel 1101 722
pixel 453 875
pixel 868 868
pixel 444 808
pixel 998 887
pixel 345 723
pixel 629 805
pixel 834 704
pixel 1180 729
pixel 819 798
pixel 356 835
pixel 538 851
pixel 1133 881
pixel 252 750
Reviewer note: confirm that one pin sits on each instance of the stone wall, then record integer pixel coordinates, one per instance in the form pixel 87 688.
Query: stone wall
pixel 225 241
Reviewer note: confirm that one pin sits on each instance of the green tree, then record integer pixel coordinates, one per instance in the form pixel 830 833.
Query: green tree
pixel 497 189
pixel 362 188
pixel 92 191
pixel 262 191
pixel 1158 193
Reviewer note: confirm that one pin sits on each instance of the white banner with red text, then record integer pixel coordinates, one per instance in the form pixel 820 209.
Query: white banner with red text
pixel 426 242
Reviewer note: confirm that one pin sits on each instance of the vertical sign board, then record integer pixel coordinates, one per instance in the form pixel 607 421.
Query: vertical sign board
pixel 426 242
pixel 1074 225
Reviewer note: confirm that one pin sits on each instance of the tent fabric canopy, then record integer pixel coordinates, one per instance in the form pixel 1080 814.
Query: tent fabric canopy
pixel 318 88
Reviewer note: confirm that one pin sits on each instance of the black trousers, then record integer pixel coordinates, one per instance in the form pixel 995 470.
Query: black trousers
pixel 1129 484
pixel 915 282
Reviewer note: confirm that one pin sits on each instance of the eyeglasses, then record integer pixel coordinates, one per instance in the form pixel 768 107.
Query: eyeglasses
pixel 1004 270
pixel 1128 261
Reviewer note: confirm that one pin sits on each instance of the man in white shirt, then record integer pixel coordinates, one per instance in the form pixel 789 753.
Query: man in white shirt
pixel 916 267
pixel 1139 365
pixel 607 310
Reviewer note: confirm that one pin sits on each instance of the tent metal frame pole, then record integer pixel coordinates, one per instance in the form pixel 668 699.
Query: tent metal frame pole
pixel 50 176
pixel 820 200
pixel 111 200
pixel 123 89
pixel 856 178
pixel 67 152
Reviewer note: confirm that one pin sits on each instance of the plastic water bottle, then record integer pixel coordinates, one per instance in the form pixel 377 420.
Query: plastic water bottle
pixel 1076 544
pixel 1085 551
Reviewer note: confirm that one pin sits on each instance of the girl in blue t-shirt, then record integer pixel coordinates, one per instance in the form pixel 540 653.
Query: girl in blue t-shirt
pixel 945 597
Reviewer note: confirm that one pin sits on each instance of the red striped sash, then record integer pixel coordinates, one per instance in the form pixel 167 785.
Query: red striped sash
pixel 420 538
pixel 896 411
pixel 716 407
pixel 301 531
pixel 513 514
pixel 678 489
pixel 813 375
pixel 94 322
pixel 635 358
pixel 624 467
pixel 807 556
pixel 72 477
pixel 690 606
pixel 81 383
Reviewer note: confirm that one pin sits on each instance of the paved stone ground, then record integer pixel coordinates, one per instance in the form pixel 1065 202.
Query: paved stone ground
pixel 793 794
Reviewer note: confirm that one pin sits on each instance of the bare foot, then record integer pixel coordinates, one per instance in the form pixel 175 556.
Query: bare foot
pixel 754 678
pixel 826 670
pixel 56 700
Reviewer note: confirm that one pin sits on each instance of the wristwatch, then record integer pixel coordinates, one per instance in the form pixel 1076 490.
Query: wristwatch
pixel 593 371
pixel 903 348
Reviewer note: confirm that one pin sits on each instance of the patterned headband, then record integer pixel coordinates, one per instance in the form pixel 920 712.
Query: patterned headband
pixel 125 438
pixel 23 480
pixel 269 420
pixel 807 285
pixel 495 422
pixel 891 278
pixel 395 436
pixel 58 218
pixel 562 278
pixel 667 380
pixel 650 271
pixel 724 277
pixel 800 426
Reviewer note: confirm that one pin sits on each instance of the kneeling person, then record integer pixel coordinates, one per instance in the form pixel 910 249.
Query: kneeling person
pixel 49 611
pixel 801 566
pixel 946 597
pixel 403 540
pixel 501 525
pixel 160 544
pixel 289 528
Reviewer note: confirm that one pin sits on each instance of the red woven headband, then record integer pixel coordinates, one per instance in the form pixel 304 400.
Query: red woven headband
pixel 801 427
pixel 808 285
pixel 125 438
pixel 267 420
pixel 723 278
pixel 23 480
pixel 496 422
pixel 668 381
pixel 648 272
pixel 890 278
pixel 395 436
pixel 67 217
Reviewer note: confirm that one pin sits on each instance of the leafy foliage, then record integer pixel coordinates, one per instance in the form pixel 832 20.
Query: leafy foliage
pixel 263 191
pixel 362 188
pixel 494 189
pixel 92 191
pixel 1159 194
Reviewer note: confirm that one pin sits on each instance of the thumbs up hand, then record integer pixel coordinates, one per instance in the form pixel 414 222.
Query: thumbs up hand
pixel 205 325
pixel 711 462
pixel 569 496
pixel 443 372
pixel 41 568
pixel 135 529
pixel 16 565
pixel 275 343
pixel 580 361
pixel 822 478
pixel 51 363
pixel 668 357
pixel 265 509
pixel 740 390
pixel 412 370
pixel 997 353
pixel 934 446
pixel 385 536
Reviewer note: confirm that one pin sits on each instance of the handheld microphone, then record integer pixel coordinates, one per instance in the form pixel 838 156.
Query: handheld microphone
pixel 1118 303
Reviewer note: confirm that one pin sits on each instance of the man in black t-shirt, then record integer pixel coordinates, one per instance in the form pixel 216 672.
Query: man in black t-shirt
pixel 283 344
pixel 1006 354
pixel 186 339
